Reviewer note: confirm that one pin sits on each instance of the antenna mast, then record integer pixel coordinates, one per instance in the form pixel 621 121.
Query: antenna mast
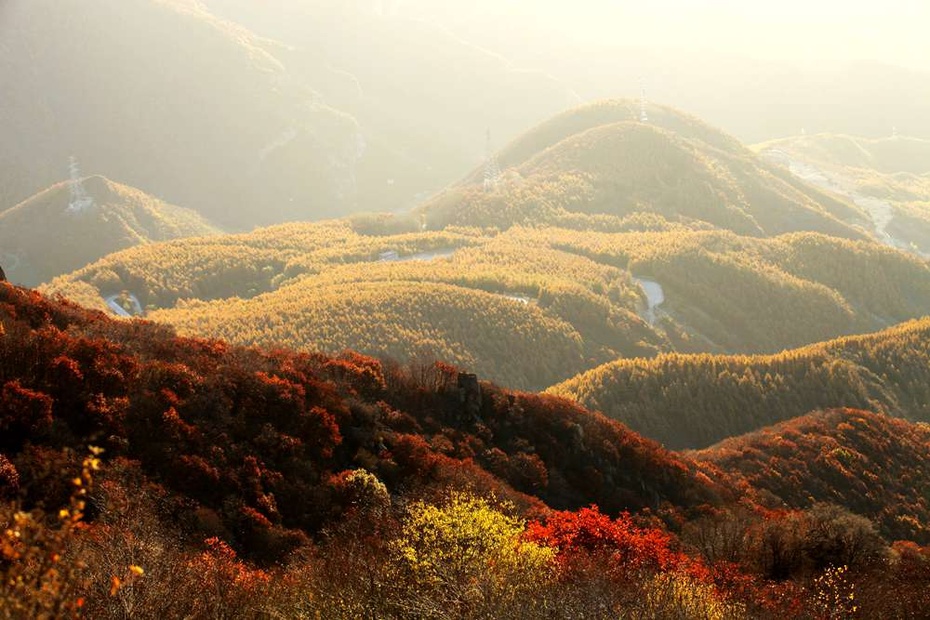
pixel 643 117
pixel 80 199
pixel 492 168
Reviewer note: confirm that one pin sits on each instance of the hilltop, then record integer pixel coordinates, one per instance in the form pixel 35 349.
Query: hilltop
pixel 599 159
pixel 44 237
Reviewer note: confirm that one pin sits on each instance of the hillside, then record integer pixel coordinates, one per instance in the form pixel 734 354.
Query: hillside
pixel 232 429
pixel 599 159
pixel 226 132
pixel 316 287
pixel 874 465
pixel 693 401
pixel 44 237
pixel 292 484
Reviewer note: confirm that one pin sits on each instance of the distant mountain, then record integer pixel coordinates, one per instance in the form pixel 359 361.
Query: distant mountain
pixel 873 465
pixel 888 178
pixel 693 401
pixel 898 154
pixel 601 159
pixel 169 99
pixel 423 97
pixel 48 235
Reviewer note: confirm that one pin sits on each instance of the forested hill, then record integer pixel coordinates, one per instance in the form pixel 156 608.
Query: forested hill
pixel 692 401
pixel 872 464
pixel 46 236
pixel 574 290
pixel 600 159
pixel 289 482
pixel 248 435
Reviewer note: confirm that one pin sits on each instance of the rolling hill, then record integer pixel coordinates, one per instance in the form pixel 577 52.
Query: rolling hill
pixel 201 416
pixel 44 236
pixel 599 159
pixel 694 401
pixel 623 239
pixel 320 287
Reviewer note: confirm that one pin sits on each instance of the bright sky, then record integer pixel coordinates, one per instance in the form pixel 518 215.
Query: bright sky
pixel 894 31
pixel 889 30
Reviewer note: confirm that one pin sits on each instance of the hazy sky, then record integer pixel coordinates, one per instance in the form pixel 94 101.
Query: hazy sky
pixel 894 31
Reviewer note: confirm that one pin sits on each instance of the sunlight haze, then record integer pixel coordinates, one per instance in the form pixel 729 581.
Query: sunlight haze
pixel 822 30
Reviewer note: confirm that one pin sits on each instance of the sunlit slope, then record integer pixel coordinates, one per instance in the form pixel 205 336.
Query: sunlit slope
pixel 167 98
pixel 43 237
pixel 486 303
pixel 723 293
pixel 872 464
pixel 600 159
pixel 472 329
pixel 689 401
pixel 752 295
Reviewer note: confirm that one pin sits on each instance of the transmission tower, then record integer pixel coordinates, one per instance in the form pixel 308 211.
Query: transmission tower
pixel 80 199
pixel 492 168
pixel 643 117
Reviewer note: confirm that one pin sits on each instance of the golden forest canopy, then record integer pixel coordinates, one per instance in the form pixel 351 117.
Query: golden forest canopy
pixel 44 236
pixel 693 401
pixel 461 294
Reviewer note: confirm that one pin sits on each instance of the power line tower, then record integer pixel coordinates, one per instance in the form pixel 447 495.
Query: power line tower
pixel 492 167
pixel 80 199
pixel 643 117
